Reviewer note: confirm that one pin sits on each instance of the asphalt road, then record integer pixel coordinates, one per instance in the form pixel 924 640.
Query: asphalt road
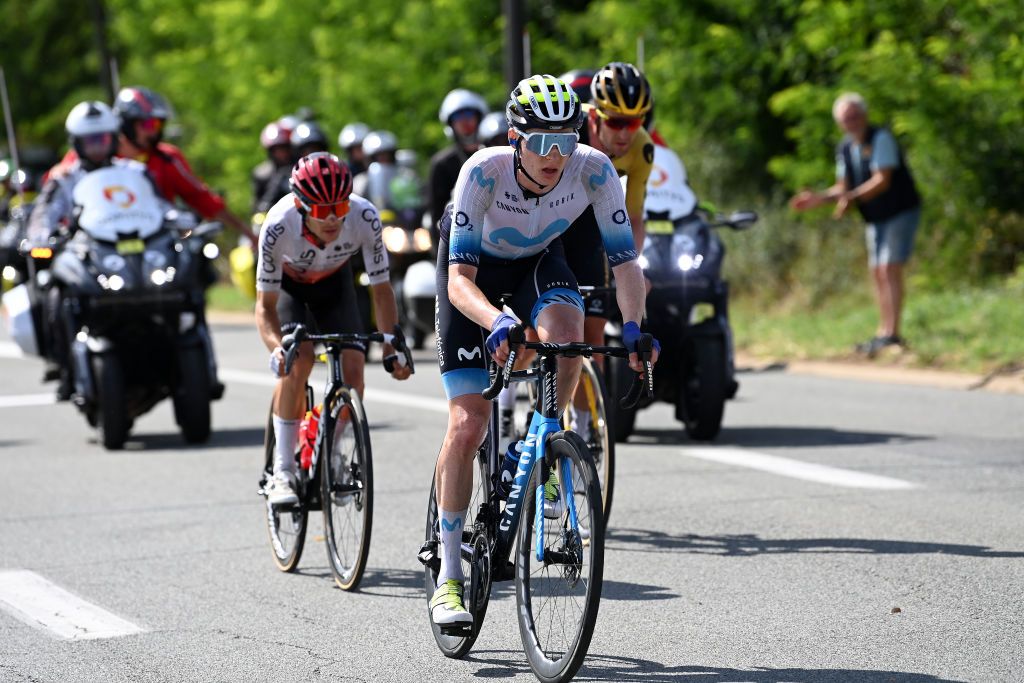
pixel 836 531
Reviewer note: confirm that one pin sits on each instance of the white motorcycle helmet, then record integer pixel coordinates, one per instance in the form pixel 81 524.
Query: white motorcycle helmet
pixel 379 141
pixel 88 119
pixel 494 129
pixel 458 100
pixel 353 134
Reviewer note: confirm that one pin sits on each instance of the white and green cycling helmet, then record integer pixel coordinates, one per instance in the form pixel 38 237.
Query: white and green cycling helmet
pixel 543 102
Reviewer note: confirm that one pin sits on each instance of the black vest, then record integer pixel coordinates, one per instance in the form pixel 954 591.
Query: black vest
pixel 901 195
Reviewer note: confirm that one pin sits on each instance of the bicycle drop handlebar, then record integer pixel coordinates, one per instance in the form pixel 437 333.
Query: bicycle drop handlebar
pixel 290 343
pixel 642 387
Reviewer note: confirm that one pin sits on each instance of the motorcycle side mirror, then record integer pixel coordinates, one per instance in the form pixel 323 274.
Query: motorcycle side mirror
pixel 741 220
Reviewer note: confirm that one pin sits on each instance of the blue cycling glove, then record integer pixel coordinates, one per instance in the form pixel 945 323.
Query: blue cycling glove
pixel 631 335
pixel 499 332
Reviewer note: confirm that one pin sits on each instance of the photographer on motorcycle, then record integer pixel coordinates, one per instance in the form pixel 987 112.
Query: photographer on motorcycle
pixel 92 133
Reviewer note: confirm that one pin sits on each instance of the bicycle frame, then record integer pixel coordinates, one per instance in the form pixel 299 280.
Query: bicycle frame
pixel 544 423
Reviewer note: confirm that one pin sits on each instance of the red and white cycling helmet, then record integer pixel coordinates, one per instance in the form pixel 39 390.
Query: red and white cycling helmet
pixel 320 180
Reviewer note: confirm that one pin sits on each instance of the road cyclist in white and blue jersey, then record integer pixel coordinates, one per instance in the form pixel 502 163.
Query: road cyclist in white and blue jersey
pixel 500 237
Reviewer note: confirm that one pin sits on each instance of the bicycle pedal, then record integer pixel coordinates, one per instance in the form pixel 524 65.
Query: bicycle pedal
pixel 456 630
pixel 428 556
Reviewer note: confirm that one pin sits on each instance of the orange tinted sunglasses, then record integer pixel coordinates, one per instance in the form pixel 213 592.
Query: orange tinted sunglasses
pixel 629 124
pixel 322 211
pixel 151 125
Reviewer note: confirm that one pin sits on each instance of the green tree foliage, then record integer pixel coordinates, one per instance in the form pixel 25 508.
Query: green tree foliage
pixel 744 93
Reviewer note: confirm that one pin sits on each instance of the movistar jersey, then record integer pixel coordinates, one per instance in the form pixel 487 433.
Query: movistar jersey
pixel 493 216
pixel 286 250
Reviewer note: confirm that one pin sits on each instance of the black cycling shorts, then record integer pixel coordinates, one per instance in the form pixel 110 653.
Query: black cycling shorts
pixel 327 306
pixel 528 286
pixel 584 252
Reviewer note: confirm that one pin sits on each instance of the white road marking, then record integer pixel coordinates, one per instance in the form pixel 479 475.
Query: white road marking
pixel 265 379
pixel 27 400
pixel 41 604
pixel 786 467
pixel 10 350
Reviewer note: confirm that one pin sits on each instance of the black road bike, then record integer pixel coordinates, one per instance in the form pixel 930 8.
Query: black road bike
pixel 339 480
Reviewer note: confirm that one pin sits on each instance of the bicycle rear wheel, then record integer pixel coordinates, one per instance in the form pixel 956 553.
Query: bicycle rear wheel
pixel 558 597
pixel 346 488
pixel 477 569
pixel 601 443
pixel 286 526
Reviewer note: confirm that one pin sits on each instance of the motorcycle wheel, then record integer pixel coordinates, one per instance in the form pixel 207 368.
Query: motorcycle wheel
pixel 622 420
pixel 704 390
pixel 112 419
pixel 192 397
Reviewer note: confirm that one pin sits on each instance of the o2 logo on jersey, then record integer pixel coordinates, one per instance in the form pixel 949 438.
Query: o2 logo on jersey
pixel 619 217
pixel 463 354
pixel 462 220
pixel 120 195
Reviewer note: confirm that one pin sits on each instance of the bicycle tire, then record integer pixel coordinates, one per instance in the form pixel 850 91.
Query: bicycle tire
pixel 602 440
pixel 457 647
pixel 347 513
pixel 567 644
pixel 287 548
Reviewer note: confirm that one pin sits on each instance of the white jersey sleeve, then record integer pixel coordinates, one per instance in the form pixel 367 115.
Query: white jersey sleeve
pixel 472 196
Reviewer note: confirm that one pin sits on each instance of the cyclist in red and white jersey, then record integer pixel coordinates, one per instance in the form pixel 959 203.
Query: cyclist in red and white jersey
pixel 303 277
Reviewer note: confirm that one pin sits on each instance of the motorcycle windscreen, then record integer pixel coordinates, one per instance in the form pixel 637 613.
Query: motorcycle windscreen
pixel 117 202
pixel 667 189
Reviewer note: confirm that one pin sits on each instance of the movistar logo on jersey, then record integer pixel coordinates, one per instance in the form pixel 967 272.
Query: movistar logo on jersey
pixel 478 176
pixel 606 173
pixel 512 236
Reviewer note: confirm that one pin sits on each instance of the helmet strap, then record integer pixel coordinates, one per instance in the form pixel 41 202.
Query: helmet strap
pixel 519 167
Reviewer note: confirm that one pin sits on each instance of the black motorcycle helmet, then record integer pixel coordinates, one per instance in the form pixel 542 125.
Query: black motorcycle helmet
pixel 138 103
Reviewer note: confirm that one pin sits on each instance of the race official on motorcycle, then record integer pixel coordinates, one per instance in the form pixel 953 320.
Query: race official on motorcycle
pixel 92 133
pixel 276 140
pixel 350 139
pixel 461 113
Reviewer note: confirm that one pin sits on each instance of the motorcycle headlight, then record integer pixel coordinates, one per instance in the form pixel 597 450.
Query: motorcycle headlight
pixel 394 238
pixel 158 277
pixel 421 239
pixel 211 250
pixel 687 262
pixel 114 283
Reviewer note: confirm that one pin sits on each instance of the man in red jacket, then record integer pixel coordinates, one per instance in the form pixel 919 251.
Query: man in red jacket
pixel 143 114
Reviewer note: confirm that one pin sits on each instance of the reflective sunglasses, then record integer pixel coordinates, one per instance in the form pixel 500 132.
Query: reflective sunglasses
pixel 322 211
pixel 630 124
pixel 97 140
pixel 543 143
pixel 152 125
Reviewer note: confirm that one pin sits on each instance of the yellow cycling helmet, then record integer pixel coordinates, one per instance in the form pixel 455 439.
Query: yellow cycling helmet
pixel 621 89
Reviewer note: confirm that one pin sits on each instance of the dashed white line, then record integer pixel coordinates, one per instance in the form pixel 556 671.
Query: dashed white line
pixel 797 469
pixel 29 597
pixel 16 401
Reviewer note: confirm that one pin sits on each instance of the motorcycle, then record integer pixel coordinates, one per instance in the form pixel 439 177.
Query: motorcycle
pixel 687 305
pixel 132 286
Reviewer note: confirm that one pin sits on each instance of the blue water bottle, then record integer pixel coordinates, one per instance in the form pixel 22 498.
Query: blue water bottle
pixel 509 464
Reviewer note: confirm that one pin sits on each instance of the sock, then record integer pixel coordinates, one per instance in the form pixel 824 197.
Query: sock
pixel 507 398
pixel 286 436
pixel 451 524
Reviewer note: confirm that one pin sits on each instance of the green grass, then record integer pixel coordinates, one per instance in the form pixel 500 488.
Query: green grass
pixel 968 329
pixel 224 296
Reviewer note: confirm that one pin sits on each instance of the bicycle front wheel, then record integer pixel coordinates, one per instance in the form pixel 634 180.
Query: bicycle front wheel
pixel 600 441
pixel 346 488
pixel 286 526
pixel 558 596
